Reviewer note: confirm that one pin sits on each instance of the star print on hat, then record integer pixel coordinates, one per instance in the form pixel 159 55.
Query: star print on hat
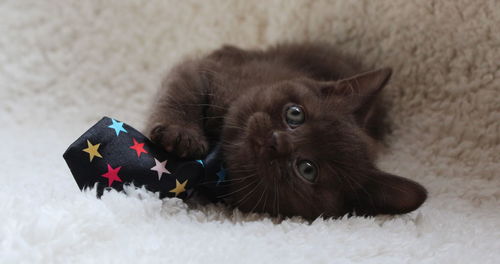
pixel 117 126
pixel 111 154
pixel 138 147
pixel 112 175
pixel 160 168
pixel 92 150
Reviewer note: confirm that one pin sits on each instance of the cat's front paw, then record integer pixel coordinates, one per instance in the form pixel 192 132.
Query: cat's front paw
pixel 185 142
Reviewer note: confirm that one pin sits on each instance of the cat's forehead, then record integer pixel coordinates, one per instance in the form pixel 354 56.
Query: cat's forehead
pixel 296 90
pixel 304 93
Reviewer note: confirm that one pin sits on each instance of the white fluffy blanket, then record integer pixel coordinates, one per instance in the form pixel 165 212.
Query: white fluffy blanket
pixel 64 64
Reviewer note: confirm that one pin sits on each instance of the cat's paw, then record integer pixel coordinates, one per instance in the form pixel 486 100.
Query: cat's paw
pixel 185 142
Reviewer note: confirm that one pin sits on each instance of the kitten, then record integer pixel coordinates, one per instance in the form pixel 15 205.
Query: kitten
pixel 296 124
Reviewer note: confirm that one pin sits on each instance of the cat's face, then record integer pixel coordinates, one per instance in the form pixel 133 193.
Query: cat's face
pixel 295 148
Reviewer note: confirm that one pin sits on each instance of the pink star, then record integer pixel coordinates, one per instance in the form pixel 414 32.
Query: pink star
pixel 160 168
pixel 112 175
pixel 138 147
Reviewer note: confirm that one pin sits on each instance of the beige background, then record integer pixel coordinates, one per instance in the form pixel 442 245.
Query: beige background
pixel 64 64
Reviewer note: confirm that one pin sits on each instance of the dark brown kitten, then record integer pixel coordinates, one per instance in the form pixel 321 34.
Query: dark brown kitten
pixel 296 124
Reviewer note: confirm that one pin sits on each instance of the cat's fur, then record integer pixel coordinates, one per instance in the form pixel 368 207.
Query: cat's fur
pixel 241 98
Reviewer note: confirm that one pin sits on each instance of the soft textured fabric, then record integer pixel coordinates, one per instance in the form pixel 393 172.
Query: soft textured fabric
pixel 64 64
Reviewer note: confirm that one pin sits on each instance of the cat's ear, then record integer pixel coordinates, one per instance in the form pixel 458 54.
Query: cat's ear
pixel 388 194
pixel 357 92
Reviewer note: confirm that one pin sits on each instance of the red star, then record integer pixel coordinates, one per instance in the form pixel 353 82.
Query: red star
pixel 112 175
pixel 138 147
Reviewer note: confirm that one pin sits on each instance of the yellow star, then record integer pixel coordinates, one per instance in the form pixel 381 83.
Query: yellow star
pixel 92 150
pixel 179 187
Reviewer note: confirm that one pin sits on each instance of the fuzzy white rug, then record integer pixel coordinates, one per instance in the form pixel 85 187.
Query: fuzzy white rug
pixel 64 64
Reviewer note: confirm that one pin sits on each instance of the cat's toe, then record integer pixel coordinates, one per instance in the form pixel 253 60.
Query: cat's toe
pixel 183 141
pixel 156 133
pixel 190 144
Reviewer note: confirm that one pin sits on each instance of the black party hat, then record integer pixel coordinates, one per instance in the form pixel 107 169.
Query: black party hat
pixel 112 154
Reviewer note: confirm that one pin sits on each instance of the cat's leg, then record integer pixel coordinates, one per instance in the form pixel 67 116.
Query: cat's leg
pixel 177 119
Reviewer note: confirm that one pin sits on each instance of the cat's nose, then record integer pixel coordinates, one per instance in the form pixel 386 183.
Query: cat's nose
pixel 273 141
pixel 279 144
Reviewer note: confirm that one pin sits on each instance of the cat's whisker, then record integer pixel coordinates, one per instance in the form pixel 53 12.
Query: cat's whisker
pixel 227 143
pixel 235 127
pixel 265 199
pixel 214 76
pixel 242 178
pixel 390 184
pixel 210 117
pixel 278 192
pixel 238 190
pixel 209 105
pixel 261 196
pixel 304 198
pixel 207 70
pixel 357 183
pixel 238 171
pixel 275 197
pixel 350 181
pixel 239 202
pixel 172 99
pixel 360 186
pixel 230 180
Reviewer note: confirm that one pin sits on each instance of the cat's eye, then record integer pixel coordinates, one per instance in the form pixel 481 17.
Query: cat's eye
pixel 307 170
pixel 295 116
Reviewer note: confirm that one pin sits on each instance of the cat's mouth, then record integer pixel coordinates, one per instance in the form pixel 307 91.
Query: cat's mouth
pixel 270 146
pixel 273 146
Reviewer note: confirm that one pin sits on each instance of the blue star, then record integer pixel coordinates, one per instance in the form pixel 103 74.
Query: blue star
pixel 222 175
pixel 201 162
pixel 117 126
